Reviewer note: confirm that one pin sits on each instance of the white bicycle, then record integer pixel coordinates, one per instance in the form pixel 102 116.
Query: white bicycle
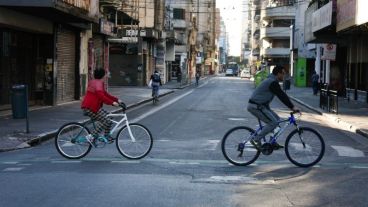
pixel 133 141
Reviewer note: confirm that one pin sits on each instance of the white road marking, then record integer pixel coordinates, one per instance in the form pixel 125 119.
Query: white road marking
pixel 234 180
pixel 25 164
pixel 237 119
pixel 359 167
pixel 65 161
pixel 126 162
pixel 68 144
pixel 211 145
pixel 10 163
pixel 300 147
pixel 163 140
pixel 160 107
pixel 12 169
pixel 345 151
pixel 184 163
pixel 205 83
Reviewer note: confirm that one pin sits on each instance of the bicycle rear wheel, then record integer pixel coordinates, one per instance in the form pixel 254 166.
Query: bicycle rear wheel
pixel 138 147
pixel 71 141
pixel 236 146
pixel 305 147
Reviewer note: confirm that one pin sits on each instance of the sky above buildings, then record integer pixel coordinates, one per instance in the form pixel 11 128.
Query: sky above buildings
pixel 231 12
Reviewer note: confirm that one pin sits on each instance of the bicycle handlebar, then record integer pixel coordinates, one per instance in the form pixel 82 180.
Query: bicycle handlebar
pixel 123 106
pixel 296 112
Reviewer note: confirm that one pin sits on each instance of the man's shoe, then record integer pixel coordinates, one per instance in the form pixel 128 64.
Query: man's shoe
pixel 277 146
pixel 256 144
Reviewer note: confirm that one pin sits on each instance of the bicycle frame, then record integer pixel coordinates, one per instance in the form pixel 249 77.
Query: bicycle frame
pixel 289 121
pixel 118 124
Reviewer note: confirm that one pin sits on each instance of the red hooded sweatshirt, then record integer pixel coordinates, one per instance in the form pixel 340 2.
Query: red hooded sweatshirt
pixel 97 96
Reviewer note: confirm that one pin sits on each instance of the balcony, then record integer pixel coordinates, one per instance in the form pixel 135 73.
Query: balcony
pixel 171 34
pixel 255 52
pixel 71 11
pixel 275 33
pixel 285 12
pixel 180 49
pixel 276 52
pixel 179 24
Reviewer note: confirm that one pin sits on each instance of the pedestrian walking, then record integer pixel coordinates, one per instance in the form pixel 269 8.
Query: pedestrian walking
pixel 197 76
pixel 315 79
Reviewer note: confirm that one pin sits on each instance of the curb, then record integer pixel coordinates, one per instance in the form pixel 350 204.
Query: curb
pixel 345 125
pixel 51 134
pixel 319 112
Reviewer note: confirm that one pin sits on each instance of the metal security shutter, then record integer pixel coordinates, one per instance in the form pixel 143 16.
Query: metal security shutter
pixel 66 57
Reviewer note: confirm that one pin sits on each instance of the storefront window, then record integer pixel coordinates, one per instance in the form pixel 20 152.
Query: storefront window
pixel 23 60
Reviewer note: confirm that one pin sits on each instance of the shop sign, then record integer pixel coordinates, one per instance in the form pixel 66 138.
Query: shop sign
pixel 322 17
pixel 329 52
pixel 129 39
pixel 107 27
pixel 134 32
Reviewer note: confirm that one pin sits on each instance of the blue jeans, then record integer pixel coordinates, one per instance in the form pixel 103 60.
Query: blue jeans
pixel 155 90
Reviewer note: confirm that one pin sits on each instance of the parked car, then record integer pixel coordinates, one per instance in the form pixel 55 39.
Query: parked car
pixel 245 74
pixel 229 72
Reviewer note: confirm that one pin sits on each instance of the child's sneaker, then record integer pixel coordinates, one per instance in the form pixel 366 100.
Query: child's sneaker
pixel 109 139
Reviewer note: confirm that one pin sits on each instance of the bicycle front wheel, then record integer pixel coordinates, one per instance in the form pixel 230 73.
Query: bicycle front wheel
pixel 305 147
pixel 134 145
pixel 71 141
pixel 236 146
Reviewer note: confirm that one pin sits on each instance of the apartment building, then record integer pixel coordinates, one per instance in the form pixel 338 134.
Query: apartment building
pixel 140 46
pixel 277 17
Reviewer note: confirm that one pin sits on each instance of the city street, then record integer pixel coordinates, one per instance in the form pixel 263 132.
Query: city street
pixel 186 166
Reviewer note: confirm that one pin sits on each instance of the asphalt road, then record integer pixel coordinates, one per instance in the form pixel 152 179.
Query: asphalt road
pixel 186 166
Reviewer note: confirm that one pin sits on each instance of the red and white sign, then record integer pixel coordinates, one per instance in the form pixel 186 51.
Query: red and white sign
pixel 329 52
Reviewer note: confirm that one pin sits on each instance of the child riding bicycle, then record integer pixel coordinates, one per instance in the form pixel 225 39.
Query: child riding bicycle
pixel 92 103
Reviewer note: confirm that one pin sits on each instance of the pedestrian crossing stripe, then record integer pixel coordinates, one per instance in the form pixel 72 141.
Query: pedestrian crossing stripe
pixel 345 151
pixel 12 169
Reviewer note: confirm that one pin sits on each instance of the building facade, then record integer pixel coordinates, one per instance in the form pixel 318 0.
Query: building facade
pixel 43 46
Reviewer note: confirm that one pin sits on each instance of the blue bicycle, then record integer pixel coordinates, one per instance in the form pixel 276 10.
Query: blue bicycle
pixel 304 146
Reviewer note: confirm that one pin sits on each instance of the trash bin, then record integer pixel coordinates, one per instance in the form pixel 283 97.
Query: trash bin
pixel 19 100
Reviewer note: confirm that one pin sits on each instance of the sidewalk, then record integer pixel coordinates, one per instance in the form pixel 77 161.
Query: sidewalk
pixel 352 116
pixel 44 122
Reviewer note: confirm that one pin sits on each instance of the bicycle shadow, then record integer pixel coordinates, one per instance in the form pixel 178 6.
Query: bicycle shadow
pixel 268 172
pixel 284 173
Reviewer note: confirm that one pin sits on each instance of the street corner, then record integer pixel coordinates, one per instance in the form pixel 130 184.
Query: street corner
pixel 15 141
pixel 363 132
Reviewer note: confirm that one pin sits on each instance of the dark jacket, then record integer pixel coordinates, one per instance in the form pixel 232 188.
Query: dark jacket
pixel 265 92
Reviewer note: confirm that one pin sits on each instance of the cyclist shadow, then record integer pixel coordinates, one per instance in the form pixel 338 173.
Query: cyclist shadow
pixel 284 173
pixel 278 173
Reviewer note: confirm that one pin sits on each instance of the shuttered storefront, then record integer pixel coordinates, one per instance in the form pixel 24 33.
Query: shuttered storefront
pixel 66 63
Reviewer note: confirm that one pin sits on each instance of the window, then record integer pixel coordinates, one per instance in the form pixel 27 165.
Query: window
pixel 179 14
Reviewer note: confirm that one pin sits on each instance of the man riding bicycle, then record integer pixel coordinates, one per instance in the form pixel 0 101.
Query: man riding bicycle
pixel 156 83
pixel 259 104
